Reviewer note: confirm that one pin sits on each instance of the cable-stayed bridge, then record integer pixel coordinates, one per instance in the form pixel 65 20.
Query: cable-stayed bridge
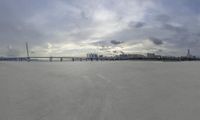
pixel 43 58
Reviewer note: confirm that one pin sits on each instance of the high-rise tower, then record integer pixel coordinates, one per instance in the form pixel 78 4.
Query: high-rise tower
pixel 188 53
pixel 27 51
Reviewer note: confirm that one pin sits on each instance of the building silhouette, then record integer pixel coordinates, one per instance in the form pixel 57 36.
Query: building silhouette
pixel 188 53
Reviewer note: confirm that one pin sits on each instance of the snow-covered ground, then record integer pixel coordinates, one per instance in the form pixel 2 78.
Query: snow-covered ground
pixel 123 90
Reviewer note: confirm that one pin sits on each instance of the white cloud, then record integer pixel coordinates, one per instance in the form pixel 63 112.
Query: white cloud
pixel 70 27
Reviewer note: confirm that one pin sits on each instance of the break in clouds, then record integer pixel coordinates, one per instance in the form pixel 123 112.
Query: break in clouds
pixel 76 27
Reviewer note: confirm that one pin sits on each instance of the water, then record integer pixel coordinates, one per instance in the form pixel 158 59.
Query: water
pixel 123 90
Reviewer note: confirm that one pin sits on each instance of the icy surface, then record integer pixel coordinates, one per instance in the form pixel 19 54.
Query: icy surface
pixel 100 91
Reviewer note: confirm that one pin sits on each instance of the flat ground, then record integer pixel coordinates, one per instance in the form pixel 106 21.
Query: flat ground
pixel 100 91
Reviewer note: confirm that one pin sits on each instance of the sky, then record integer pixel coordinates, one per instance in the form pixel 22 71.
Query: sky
pixel 109 27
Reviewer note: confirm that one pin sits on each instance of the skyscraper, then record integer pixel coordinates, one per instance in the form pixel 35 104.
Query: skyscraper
pixel 188 53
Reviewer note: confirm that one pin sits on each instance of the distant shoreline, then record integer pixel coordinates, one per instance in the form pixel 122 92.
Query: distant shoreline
pixel 82 59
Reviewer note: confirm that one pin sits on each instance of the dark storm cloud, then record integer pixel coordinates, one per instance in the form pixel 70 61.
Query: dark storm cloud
pixel 107 42
pixel 115 42
pixel 156 41
pixel 137 24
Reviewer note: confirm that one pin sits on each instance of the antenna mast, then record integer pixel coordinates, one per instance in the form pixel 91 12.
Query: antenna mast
pixel 27 50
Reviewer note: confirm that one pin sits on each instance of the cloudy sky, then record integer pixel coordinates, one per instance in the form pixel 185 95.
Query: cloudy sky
pixel 76 27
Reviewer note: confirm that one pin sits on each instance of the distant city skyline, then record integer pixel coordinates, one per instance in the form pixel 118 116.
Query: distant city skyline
pixel 78 27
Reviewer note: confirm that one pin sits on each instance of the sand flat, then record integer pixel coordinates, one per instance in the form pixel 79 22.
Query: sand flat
pixel 124 90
